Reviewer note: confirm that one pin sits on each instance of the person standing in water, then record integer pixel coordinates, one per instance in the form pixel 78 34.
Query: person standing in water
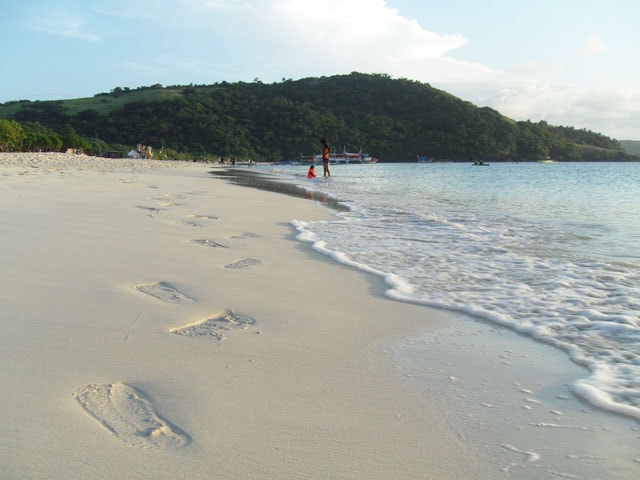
pixel 325 157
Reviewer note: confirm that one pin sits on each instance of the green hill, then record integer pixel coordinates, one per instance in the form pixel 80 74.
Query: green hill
pixel 393 119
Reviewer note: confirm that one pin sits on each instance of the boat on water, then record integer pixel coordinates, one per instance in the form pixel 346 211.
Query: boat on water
pixel 340 158
pixel 546 160
pixel 424 159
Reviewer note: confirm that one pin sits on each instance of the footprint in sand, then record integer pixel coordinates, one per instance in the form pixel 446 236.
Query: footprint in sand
pixel 190 224
pixel 244 263
pixel 193 223
pixel 129 415
pixel 242 236
pixel 165 202
pixel 151 211
pixel 165 292
pixel 208 243
pixel 169 200
pixel 216 327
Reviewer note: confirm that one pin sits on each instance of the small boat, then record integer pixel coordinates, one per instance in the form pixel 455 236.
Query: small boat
pixel 424 159
pixel 480 163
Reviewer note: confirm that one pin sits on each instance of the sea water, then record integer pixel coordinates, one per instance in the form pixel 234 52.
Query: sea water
pixel 551 251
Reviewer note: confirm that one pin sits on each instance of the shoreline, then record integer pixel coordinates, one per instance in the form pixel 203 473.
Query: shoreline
pixel 162 322
pixel 549 385
pixel 265 180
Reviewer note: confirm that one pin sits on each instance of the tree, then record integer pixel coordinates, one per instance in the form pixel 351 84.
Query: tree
pixel 39 137
pixel 71 139
pixel 11 135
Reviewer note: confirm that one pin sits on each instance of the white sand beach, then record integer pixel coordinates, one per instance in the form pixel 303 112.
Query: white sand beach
pixel 161 323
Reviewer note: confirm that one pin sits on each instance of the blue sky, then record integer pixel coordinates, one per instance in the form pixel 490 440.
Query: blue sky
pixel 569 62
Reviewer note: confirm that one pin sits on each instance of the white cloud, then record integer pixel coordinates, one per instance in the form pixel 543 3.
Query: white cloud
pixel 323 36
pixel 272 39
pixel 336 36
pixel 592 46
pixel 63 24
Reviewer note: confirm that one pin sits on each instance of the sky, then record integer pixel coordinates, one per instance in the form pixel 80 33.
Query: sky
pixel 567 62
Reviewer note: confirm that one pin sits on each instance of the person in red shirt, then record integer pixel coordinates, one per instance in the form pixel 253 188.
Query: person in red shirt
pixel 312 172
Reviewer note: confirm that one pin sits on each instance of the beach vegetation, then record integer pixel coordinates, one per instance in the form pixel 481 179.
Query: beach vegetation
pixel 71 139
pixel 11 135
pixel 40 138
pixel 392 119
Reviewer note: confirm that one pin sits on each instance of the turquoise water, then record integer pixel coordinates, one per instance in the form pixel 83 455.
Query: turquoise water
pixel 551 251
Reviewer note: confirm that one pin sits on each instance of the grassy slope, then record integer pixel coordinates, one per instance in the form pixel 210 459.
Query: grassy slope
pixel 103 104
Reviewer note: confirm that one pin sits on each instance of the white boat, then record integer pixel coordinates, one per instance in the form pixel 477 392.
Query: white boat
pixel 344 158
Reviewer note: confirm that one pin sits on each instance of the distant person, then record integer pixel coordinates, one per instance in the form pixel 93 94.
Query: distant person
pixel 325 157
pixel 312 172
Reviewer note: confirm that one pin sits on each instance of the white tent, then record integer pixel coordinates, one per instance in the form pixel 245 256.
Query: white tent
pixel 132 153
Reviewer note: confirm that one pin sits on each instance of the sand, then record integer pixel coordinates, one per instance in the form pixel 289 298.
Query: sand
pixel 160 323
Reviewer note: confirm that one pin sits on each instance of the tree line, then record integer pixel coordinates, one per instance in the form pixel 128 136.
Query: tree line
pixel 392 119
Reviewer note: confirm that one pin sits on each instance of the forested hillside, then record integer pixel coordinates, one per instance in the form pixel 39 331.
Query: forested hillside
pixel 392 119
